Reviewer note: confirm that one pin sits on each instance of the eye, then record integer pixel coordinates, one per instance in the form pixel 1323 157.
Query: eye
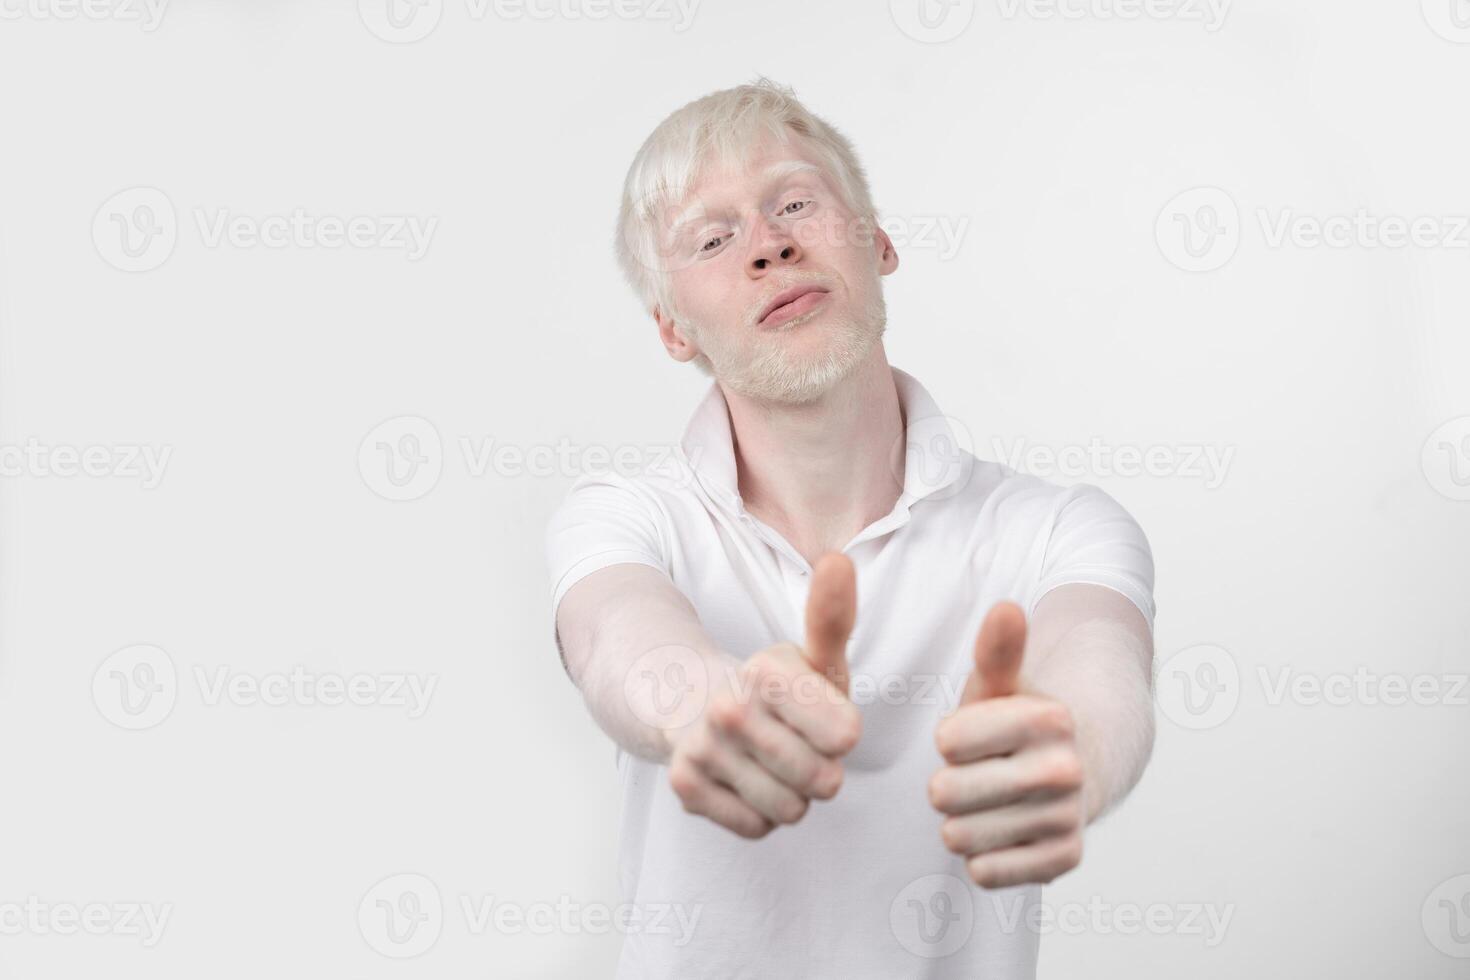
pixel 803 205
pixel 706 246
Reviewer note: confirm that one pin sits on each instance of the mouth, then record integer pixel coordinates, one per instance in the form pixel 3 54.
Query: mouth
pixel 792 303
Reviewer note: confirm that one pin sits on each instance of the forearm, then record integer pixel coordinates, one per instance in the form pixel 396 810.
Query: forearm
pixel 635 648
pixel 1100 670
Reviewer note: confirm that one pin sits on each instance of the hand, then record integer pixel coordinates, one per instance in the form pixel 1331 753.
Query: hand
pixel 769 744
pixel 1012 786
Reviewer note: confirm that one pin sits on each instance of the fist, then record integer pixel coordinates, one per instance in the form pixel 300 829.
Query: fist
pixel 771 742
pixel 1011 786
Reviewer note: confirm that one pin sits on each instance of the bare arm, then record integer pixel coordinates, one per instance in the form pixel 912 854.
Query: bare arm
pixel 748 743
pixel 1091 649
pixel 626 617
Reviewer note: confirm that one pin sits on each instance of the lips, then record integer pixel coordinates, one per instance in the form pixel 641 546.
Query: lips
pixel 788 296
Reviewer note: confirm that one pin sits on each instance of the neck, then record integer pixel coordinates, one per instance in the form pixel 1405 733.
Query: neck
pixel 820 472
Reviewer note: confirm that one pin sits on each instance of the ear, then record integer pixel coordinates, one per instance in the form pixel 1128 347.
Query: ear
pixel 680 347
pixel 887 255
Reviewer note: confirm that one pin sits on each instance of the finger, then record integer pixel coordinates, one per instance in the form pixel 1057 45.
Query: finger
pixel 1000 726
pixel 701 795
pixel 1006 826
pixel 998 649
pixel 805 701
pixel 831 610
pixel 1038 862
pixel 1006 779
pixel 766 794
pixel 778 749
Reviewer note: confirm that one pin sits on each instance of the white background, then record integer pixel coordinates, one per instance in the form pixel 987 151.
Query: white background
pixel 1334 541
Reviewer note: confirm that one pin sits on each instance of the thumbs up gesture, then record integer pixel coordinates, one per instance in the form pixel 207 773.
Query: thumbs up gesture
pixel 769 743
pixel 1011 786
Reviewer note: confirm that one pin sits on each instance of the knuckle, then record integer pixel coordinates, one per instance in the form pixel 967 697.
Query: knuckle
pixel 981 873
pixel 755 830
pixel 685 784
pixel 945 741
pixel 941 790
pixel 1042 717
pixel 954 836
pixel 793 809
pixel 728 715
pixel 826 782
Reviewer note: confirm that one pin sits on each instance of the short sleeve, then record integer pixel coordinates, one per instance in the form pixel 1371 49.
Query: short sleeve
pixel 606 519
pixel 1094 540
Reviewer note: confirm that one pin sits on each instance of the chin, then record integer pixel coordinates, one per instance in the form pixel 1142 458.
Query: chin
pixel 799 365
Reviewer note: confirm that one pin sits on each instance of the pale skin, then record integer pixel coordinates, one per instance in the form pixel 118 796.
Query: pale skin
pixel 1056 722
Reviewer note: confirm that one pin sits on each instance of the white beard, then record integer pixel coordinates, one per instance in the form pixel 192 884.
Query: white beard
pixel 762 365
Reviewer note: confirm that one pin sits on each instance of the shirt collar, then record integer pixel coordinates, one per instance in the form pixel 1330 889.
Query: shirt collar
pixel 935 458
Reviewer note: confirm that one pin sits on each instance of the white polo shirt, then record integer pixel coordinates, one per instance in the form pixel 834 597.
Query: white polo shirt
pixel 862 887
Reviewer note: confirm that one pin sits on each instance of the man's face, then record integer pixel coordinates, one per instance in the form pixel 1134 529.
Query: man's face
pixel 743 240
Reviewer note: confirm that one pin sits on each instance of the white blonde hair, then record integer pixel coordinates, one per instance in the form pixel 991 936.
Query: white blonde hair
pixel 718 130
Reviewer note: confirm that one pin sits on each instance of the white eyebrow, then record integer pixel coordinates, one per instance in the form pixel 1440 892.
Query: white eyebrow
pixel 775 172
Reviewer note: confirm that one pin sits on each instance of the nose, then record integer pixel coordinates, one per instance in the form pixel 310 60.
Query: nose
pixel 772 244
